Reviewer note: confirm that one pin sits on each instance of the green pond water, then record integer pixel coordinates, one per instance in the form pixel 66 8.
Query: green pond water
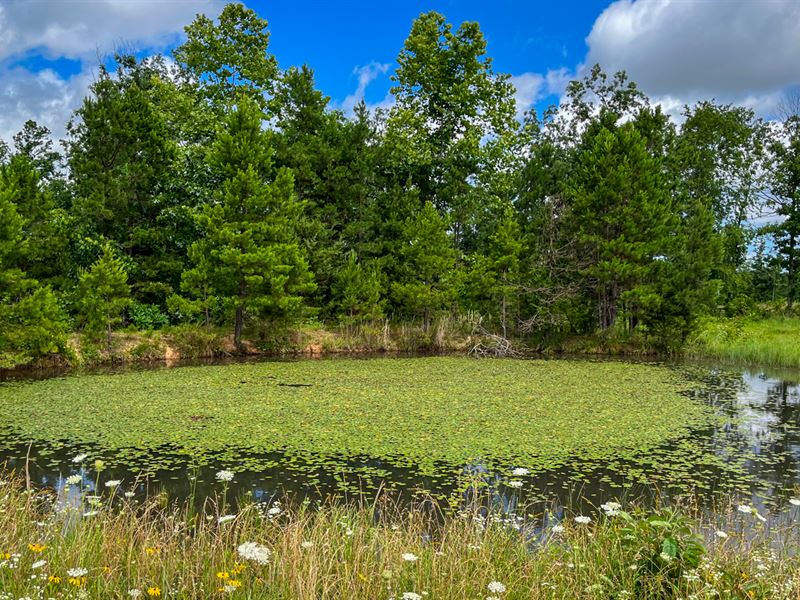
pixel 555 432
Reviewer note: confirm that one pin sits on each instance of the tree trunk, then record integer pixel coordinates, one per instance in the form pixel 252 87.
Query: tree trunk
pixel 108 331
pixel 503 318
pixel 237 330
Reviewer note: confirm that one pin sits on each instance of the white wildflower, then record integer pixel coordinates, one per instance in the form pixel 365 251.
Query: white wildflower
pixel 255 552
pixel 112 483
pixel 665 557
pixel 409 557
pixel 77 572
pixel 130 494
pixel 134 593
pixel 496 587
pixel 720 534
pixel 38 564
pixel 794 501
pixel 225 475
pixel 611 509
pixel 74 480
pixel 411 596
pixel 274 511
pixel 582 520
pixel 520 472
pixel 226 519
pixel 557 529
pixel 91 513
pixel 514 483
pixel 80 458
pixel 307 545
pixel 745 508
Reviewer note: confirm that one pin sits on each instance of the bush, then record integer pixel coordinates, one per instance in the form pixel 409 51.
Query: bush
pixel 147 316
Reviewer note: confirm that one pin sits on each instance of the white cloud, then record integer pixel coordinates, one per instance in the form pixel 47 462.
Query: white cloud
pixel 366 75
pixel 79 29
pixel 682 51
pixel 530 88
pixel 43 96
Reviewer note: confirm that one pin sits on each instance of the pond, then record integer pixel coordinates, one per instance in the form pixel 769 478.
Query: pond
pixel 550 432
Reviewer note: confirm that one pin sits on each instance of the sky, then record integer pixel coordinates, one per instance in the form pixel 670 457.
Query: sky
pixel 678 51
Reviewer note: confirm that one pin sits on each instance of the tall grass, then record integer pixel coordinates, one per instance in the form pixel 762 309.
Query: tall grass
pixel 375 551
pixel 772 341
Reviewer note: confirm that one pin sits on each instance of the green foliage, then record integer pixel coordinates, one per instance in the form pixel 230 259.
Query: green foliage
pixel 146 316
pixel 103 294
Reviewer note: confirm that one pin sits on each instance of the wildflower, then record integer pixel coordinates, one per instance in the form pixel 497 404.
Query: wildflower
pixel 112 483
pixel 77 581
pixel 38 564
pixel 611 509
pixel 231 586
pixel 794 501
pixel 274 511
pixel 80 458
pixel 409 557
pixel 255 552
pixel 74 480
pixel 54 579
pixel 36 547
pixel 99 465
pixel 154 592
pixel 411 596
pixel 134 593
pixel 152 551
pixel 77 572
pixel 520 472
pixel 745 508
pixel 496 587
pixel 238 568
pixel 90 513
pixel 720 534
pixel 225 519
pixel 234 583
pixel 307 545
pixel 581 520
pixel 223 575
pixel 225 475
pixel 557 529
pixel 130 494
pixel 516 484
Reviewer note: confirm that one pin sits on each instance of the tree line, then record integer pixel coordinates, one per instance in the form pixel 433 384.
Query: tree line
pixel 219 189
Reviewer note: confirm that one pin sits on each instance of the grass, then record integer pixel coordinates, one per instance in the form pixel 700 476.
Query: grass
pixel 773 341
pixel 377 551
pixel 435 414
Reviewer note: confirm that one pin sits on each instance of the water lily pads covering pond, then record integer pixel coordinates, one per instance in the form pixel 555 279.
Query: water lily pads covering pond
pixel 433 414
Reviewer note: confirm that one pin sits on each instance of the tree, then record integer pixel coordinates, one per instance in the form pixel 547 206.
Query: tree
pixel 356 291
pixel 426 263
pixel 622 216
pixel 452 120
pixel 784 197
pixel 32 324
pixel 254 260
pixel 229 58
pixel 103 294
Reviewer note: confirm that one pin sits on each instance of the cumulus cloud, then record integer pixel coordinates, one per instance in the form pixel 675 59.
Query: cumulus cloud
pixel 530 88
pixel 43 96
pixel 80 28
pixel 681 51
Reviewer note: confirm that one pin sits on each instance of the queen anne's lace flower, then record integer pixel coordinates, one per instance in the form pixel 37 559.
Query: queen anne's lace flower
pixel 496 587
pixel 255 552
pixel 225 475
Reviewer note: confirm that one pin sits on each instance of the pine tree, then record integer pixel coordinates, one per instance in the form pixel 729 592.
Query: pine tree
pixel 254 260
pixel 357 292
pixel 103 294
pixel 426 266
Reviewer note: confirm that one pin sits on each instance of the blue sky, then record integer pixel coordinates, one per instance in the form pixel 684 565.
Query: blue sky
pixel 679 51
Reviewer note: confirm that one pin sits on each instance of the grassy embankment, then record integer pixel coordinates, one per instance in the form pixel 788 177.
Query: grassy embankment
pixel 125 549
pixel 773 341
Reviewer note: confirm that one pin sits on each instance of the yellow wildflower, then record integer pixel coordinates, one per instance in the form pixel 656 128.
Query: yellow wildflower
pixel 5 555
pixel 154 592
pixel 36 547
pixel 77 581
pixel 235 583
pixel 238 568
pixel 54 579
pixel 223 575
pixel 152 551
pixel 106 570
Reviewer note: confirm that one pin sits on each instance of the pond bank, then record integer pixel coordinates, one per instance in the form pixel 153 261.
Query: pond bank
pixel 118 548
